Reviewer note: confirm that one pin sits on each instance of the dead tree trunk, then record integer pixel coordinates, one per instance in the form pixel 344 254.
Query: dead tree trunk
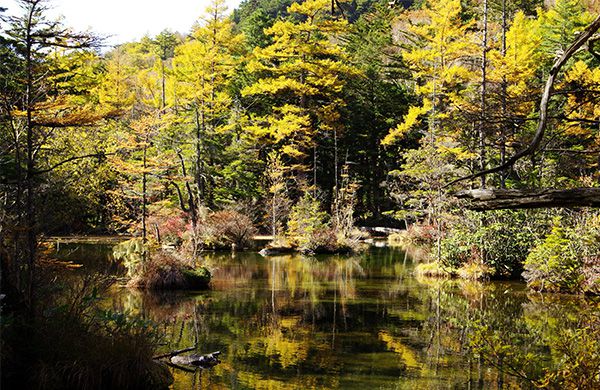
pixel 488 199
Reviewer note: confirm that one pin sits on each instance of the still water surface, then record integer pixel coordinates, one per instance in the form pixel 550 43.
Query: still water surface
pixel 332 322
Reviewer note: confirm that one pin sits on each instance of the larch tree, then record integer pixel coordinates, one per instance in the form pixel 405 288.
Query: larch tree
pixel 300 78
pixel 204 67
pixel 164 46
pixel 514 71
pixel 442 45
pixel 440 48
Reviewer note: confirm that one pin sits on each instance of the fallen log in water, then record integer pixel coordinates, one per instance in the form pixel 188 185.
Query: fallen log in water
pixel 174 353
pixel 497 199
pixel 203 361
pixel 276 250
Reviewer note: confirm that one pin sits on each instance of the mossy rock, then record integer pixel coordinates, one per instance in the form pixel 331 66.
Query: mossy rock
pixel 197 278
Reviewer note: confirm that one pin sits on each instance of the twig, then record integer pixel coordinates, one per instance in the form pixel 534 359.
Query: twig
pixel 175 353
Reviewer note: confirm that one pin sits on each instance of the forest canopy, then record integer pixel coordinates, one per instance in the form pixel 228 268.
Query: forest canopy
pixel 371 108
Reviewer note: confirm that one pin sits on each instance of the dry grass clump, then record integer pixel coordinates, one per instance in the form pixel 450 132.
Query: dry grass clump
pixel 165 272
pixel 433 269
pixel 226 229
pixel 415 235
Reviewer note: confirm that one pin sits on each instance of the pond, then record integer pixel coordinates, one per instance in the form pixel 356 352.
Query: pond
pixel 336 322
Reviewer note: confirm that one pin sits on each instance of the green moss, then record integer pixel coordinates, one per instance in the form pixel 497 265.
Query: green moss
pixel 197 278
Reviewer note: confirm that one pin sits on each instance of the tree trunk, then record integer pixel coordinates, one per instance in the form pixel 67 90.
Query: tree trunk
pixel 482 200
pixel 144 196
pixel 29 184
pixel 503 92
pixel 483 122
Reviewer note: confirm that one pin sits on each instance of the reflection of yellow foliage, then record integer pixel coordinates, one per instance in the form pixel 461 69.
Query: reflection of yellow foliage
pixel 290 351
pixel 259 382
pixel 289 322
pixel 408 315
pixel 285 343
pixel 297 274
pixel 408 355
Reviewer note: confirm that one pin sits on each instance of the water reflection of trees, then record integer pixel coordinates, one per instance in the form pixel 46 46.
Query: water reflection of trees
pixel 506 337
pixel 295 322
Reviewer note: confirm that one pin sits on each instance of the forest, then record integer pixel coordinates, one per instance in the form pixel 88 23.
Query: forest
pixel 467 128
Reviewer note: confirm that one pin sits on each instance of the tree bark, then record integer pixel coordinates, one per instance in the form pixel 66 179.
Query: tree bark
pixel 482 124
pixel 504 88
pixel 488 199
pixel 30 220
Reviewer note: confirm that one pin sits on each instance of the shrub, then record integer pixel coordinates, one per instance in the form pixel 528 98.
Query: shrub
pixel 415 235
pixel 499 240
pixel 555 264
pixel 307 225
pixel 224 229
pixel 591 275
pixel 166 223
pixel 326 240
pixel 568 259
pixel 310 232
pixel 587 232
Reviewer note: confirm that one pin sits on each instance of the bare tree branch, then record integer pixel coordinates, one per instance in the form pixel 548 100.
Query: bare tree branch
pixel 53 167
pixel 539 134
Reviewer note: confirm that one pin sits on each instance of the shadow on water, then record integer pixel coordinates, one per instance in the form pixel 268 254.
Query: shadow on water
pixel 336 322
